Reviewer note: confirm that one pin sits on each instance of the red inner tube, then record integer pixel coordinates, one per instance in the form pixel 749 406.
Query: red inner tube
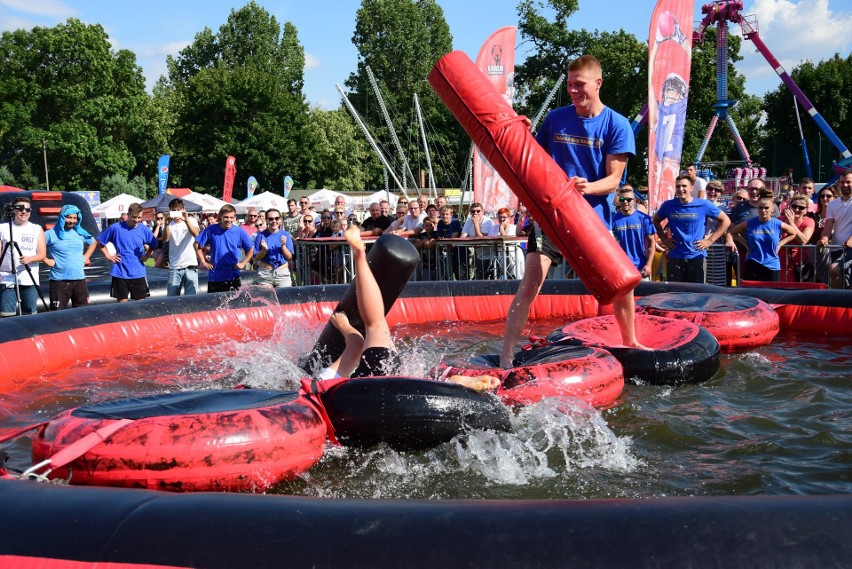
pixel 225 440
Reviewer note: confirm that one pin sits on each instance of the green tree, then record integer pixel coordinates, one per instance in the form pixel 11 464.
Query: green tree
pixel 337 154
pixel 238 92
pixel 555 43
pixel 400 40
pixel 64 85
pixel 115 184
pixel 827 85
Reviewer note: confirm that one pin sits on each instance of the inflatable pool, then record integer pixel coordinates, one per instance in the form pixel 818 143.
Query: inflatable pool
pixel 214 530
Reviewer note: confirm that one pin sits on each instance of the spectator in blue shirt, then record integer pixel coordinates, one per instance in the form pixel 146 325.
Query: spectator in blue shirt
pixel 634 231
pixel 226 242
pixel 133 243
pixel 69 248
pixel 273 251
pixel 687 218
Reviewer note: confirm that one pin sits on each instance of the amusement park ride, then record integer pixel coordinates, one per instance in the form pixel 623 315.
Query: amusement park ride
pixel 720 13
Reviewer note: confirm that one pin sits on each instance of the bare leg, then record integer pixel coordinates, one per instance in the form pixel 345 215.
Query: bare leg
pixel 519 311
pixel 371 305
pixel 624 308
pixel 348 360
pixel 478 383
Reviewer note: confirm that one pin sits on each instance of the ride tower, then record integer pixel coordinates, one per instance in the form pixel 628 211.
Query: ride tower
pixel 720 13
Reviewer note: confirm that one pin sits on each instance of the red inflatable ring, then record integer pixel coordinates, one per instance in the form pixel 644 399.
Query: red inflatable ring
pixel 589 374
pixel 681 352
pixel 739 323
pixel 228 440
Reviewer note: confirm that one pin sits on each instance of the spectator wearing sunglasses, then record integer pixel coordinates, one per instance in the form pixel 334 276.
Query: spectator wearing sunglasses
pixel 250 225
pixel 634 232
pixel 795 259
pixel 29 238
pixel 274 252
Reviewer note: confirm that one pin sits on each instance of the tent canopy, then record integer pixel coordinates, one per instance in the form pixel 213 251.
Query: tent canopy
pixel 161 204
pixel 209 204
pixel 265 201
pixel 114 207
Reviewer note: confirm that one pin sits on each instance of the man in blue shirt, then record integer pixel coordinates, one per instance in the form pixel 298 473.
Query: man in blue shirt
pixel 634 231
pixel 591 143
pixel 133 243
pixel 226 242
pixel 69 248
pixel 687 219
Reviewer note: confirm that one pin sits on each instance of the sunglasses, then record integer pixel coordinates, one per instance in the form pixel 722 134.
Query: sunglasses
pixel 476 211
pixel 250 215
pixel 628 200
pixel 273 219
pixel 23 208
pixel 326 217
pixel 826 197
pixel 307 221
pixel 798 207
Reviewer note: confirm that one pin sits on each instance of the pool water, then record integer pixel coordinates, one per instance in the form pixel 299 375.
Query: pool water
pixel 777 420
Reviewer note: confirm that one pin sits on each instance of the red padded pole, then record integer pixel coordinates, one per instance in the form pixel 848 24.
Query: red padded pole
pixel 561 211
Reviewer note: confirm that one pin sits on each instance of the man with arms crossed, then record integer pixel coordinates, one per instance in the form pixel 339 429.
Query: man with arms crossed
pixel 591 142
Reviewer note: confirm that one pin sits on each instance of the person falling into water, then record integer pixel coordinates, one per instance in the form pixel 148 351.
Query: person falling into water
pixel 374 353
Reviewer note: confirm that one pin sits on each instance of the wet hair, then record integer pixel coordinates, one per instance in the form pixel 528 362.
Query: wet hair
pixel 134 209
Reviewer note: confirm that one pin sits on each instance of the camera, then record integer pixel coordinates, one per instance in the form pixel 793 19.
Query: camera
pixel 8 211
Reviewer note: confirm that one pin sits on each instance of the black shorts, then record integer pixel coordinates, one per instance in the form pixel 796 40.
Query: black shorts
pixel 377 362
pixel 137 289
pixel 224 286
pixel 538 242
pixel 63 291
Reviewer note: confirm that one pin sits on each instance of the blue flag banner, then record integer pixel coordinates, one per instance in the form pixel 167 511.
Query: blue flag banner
pixel 163 173
pixel 288 185
pixel 252 186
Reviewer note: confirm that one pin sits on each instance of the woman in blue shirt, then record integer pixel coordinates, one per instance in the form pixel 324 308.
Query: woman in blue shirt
pixel 763 234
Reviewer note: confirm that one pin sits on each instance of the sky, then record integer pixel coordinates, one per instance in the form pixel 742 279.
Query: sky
pixel 793 30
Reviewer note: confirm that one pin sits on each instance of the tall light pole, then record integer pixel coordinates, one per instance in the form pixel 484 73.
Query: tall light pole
pixel 44 153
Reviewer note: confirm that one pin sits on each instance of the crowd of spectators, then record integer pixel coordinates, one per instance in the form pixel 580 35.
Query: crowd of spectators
pixel 793 235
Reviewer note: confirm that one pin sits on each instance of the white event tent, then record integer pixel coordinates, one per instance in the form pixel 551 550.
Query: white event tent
pixel 210 204
pixel 266 200
pixel 114 207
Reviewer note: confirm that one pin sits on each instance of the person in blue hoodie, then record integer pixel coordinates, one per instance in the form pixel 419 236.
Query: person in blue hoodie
pixel 69 248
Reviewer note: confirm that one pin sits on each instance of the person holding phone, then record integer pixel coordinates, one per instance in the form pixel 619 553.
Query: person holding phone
pixel 180 235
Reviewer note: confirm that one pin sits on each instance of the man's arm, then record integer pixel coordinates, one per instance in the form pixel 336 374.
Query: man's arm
pixel 615 165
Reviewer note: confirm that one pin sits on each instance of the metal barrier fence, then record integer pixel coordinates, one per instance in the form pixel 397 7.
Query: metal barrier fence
pixel 329 261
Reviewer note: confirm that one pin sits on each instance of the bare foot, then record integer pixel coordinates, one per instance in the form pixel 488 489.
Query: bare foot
pixel 638 346
pixel 478 383
pixel 353 237
pixel 340 321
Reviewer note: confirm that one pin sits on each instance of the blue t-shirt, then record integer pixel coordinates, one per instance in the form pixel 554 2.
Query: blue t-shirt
pixel 580 147
pixel 686 223
pixel 763 241
pixel 630 231
pixel 445 231
pixel 274 256
pixel 129 244
pixel 68 254
pixel 226 246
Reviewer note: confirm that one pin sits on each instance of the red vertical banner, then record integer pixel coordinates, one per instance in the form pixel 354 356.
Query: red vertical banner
pixel 230 172
pixel 497 61
pixel 669 59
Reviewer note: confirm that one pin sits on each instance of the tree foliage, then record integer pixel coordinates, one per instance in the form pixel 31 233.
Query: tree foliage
pixel 400 40
pixel 67 86
pixel 827 85
pixel 239 92
pixel 337 156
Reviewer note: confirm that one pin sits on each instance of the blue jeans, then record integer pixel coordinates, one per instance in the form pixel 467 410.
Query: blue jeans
pixel 9 302
pixel 186 278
